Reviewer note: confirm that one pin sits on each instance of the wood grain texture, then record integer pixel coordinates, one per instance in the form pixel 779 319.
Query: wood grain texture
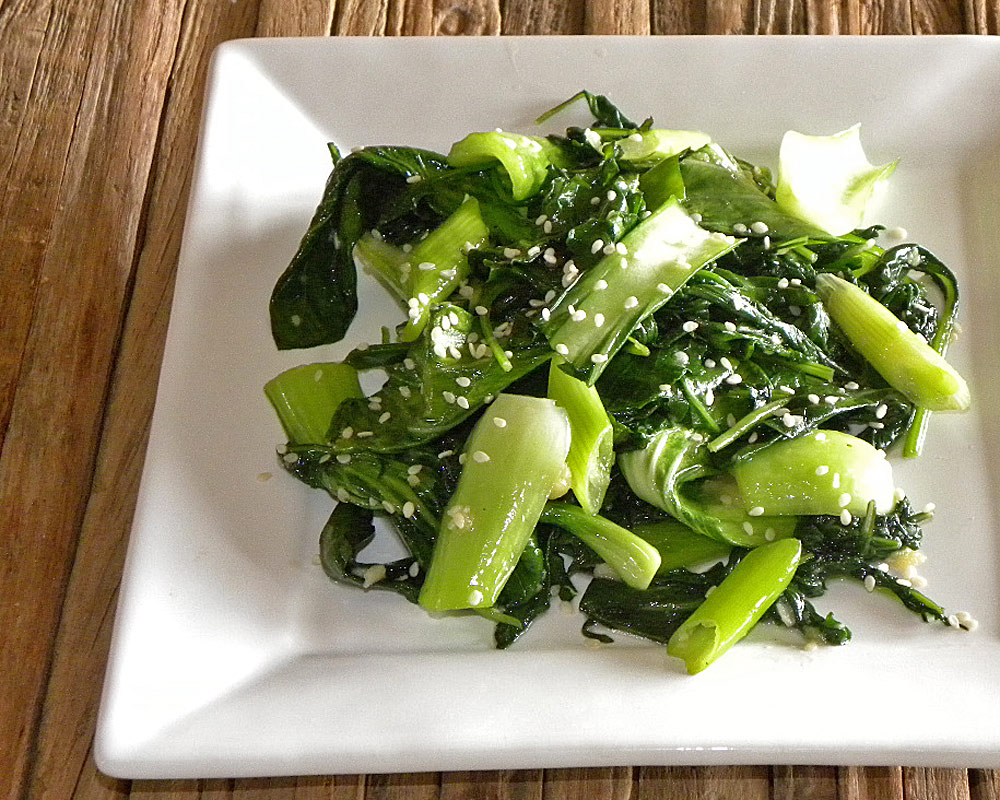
pixel 360 17
pixel 422 786
pixel 862 783
pixel 83 638
pixel 984 784
pixel 492 785
pixel 89 228
pixel 295 17
pixel 804 783
pixel 981 16
pixel 935 784
pixel 612 783
pixel 443 18
pixel 620 18
pixel 543 17
pixel 672 18
pixel 727 17
pixel 702 783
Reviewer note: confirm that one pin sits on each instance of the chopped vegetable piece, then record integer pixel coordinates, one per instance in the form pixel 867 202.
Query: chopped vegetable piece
pixel 729 612
pixel 523 158
pixel 306 397
pixel 508 474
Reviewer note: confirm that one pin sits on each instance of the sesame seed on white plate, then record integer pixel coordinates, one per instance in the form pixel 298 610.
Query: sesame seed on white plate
pixel 734 379
pixel 904 582
pixel 822 469
pixel 899 494
pixel 953 621
pixel 748 528
pixel 579 315
pixel 546 314
pixel 463 381
pixel 929 508
pixel 870 583
pixel 836 480
pixel 598 358
pixel 596 246
pixel 759 227
pixel 547 226
pixel 462 402
pixel 482 311
pixel 608 249
pixel 844 499
pixel 562 349
pixel 631 302
pixel 690 326
pixel 500 422
pixel 612 194
pixel 851 386
pixel 756 511
pixel 449 397
pixel 783 283
pixel 480 457
pixel 730 326
pixel 598 320
pixel 918 581
pixel 621 248
pixel 601 285
pixel 881 411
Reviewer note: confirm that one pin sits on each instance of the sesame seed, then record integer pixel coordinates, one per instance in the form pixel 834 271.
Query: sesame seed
pixel 831 400
pixel 612 194
pixel 710 363
pixel 579 315
pixel 836 480
pixel 739 228
pixel 690 326
pixel 547 226
pixel 343 458
pixel 562 349
pixel 463 381
pixel 296 320
pixel 342 495
pixel 730 326
pixel 462 402
pixel 598 320
pixel 845 517
pixel 347 433
pixel 511 252
pixel 756 511
pixel 546 314
pixel 534 251
pixel 813 398
pixel 870 583
pixel 783 283
pixel 414 178
pixel 734 379
pixel 454 352
pixel 621 248
pixel 631 302
pixel 598 358
pixel 482 311
pixel 820 436
pixel 769 534
pixel 664 387
pixel 408 509
pixel 796 281
pixel 759 227
pixel 461 458
pixel 445 453
pixel 794 310
pixel 511 144
pixel 365 434
pixel 844 499
pixel 683 358
pixel 881 411
pixel 709 397
pixel 601 285
pixel 953 621
pixel 904 582
pixel 822 469
pixel 423 298
pixel 549 256
pixel 608 249
pixel 480 457
pixel 541 219
pixel 500 422
pixel 388 506
pixel 662 287
pixel 596 246
pixel 374 574
pixel 449 397
pixel 413 570
pixel 385 417
pixel 748 528
pixel 929 508
pixel 790 420
pixel 595 201
pixel 752 437
pixel 851 386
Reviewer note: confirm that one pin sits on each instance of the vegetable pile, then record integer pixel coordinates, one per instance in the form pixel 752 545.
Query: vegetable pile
pixel 623 352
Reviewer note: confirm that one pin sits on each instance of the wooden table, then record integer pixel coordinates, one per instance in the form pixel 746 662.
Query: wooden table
pixel 98 121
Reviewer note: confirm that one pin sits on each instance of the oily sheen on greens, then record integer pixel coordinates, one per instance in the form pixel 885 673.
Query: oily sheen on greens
pixel 740 356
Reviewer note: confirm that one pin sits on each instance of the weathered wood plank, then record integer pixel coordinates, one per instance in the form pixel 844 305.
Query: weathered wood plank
pixel 886 17
pixel 108 65
pixel 492 785
pixel 935 784
pixel 981 16
pixel 443 18
pixel 360 17
pixel 825 17
pixel 717 783
pixel 796 783
pixel 936 16
pixel 418 786
pixel 62 752
pixel 621 18
pixel 675 17
pixel 870 783
pixel 779 17
pixel 726 16
pixel 611 783
pixel 984 784
pixel 542 17
pixel 295 17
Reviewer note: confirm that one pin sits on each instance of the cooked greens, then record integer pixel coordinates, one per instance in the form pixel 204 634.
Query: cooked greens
pixel 622 353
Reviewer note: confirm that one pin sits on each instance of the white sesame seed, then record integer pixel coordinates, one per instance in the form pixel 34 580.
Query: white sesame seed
pixel 690 326
pixel 546 314
pixel 783 283
pixel 730 326
pixel 844 499
pixel 579 315
pixel 449 397
pixel 734 379
pixel 794 310
pixel 445 453
pixel 549 256
pixel 343 458
pixel 739 228
pixel 631 302
pixel 462 402
pixel 595 201
pixel 748 528
pixel 664 387
pixel 511 144
pixel 822 469
pixel 836 480
pixel 662 287
pixel 769 534
pixel 423 298
pixel 752 437
pixel 870 583
pixel 612 194
pixel 480 457
pixel 790 420
pixel 601 284
pixel 709 397
pixel 547 226
pixel 929 508
pixel 463 381
pixel 347 433
pixel 342 495
pixel 562 349
pixel 596 246
pixel 813 398
pixel 831 400
pixel 296 320
pixel 756 511
pixel 608 249
pixel 953 621
pixel 621 248
pixel 759 227
pixel 819 436
pixel 845 517
pixel 385 417
pixel 454 352
pixel 882 567
pixel 413 570
pixel 500 422
pixel 511 252
pixel 851 386
pixel 598 320
pixel 796 281
pixel 534 251
pixel 408 509
pixel 414 178
pixel 461 458
pixel 541 219
pixel 482 311
pixel 598 358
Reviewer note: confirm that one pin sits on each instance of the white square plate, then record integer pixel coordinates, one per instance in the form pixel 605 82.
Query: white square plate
pixel 233 654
